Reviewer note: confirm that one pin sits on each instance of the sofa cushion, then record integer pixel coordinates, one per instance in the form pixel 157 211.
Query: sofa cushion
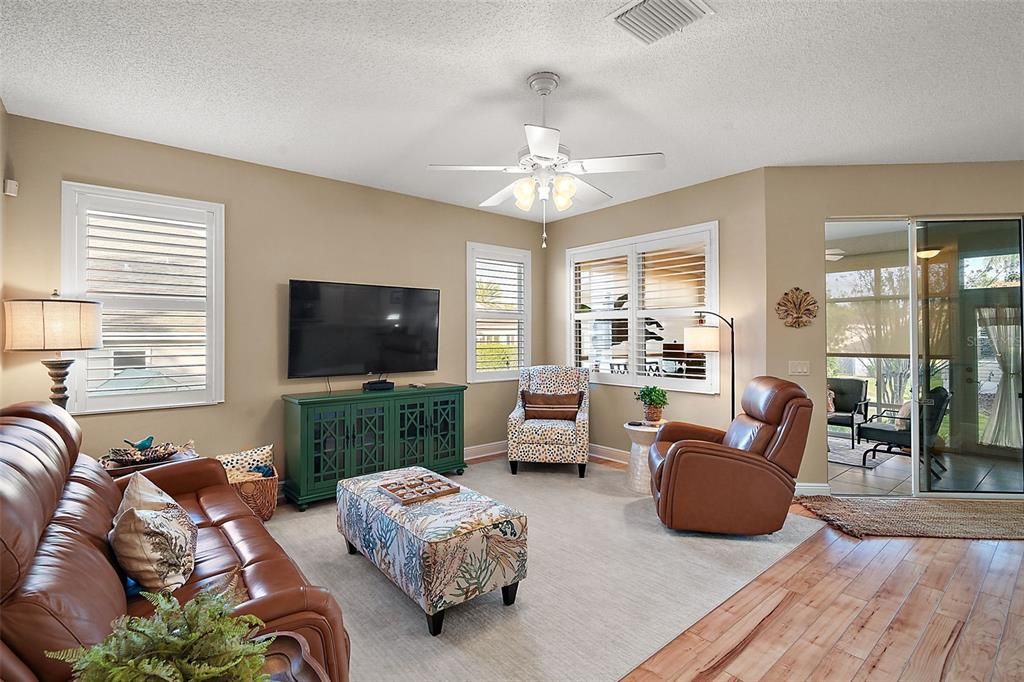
pixel 548 431
pixel 68 591
pixel 35 464
pixel 213 505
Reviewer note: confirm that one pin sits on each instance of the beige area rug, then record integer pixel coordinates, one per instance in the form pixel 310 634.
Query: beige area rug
pixel 607 584
pixel 921 518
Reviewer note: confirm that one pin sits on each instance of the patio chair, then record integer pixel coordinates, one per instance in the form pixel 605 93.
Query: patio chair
pixel 851 404
pixel 895 436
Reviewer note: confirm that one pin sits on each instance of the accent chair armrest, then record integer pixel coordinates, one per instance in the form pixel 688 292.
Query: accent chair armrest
pixel 176 478
pixel 517 417
pixel 677 431
pixel 583 424
pixel 515 420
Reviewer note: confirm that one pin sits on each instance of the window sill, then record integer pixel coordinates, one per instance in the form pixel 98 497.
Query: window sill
pixel 492 380
pixel 712 390
pixel 142 408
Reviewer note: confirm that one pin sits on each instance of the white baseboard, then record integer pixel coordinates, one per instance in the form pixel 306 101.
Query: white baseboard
pixel 606 452
pixel 813 489
pixel 485 449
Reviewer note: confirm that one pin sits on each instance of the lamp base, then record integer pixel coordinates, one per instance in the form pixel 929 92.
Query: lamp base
pixel 57 368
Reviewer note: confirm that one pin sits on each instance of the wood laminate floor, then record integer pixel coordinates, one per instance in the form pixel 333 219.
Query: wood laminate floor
pixel 838 608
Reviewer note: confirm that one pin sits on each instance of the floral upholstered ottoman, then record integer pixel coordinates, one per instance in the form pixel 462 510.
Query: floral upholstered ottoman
pixel 442 551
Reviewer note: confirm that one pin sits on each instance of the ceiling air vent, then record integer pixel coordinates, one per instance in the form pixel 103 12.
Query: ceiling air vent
pixel 652 20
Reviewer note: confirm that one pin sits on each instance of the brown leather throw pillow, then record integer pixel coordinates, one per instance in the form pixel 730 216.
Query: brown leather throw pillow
pixel 552 405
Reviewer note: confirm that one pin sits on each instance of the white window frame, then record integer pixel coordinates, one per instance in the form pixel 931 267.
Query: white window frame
pixel 76 199
pixel 475 250
pixel 631 247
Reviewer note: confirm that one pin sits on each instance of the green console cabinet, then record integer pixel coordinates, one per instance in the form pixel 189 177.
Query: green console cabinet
pixel 331 436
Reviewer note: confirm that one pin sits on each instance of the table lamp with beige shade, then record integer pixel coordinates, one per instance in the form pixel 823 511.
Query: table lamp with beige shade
pixel 706 339
pixel 53 324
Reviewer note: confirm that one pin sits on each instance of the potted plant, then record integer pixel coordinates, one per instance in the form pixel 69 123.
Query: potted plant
pixel 654 399
pixel 199 640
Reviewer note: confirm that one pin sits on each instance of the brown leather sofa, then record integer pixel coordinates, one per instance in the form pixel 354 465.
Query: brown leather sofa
pixel 60 585
pixel 739 481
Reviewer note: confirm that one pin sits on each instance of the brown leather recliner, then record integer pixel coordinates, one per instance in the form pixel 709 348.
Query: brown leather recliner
pixel 60 585
pixel 739 481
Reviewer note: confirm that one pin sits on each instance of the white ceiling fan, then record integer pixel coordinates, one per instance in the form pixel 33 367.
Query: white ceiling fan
pixel 834 254
pixel 549 169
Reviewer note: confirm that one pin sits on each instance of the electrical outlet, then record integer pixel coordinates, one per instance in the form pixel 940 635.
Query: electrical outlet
pixel 799 368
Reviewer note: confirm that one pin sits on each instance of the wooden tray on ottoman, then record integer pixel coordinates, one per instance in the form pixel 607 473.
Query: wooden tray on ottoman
pixel 418 488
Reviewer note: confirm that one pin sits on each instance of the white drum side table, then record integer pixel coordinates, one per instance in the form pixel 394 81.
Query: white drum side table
pixel 639 472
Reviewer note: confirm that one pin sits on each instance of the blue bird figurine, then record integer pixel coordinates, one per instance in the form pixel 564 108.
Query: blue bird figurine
pixel 143 444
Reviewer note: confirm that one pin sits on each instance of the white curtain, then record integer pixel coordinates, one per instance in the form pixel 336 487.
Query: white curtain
pixel 1002 324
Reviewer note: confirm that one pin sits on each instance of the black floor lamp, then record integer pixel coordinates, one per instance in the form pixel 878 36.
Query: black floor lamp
pixel 705 339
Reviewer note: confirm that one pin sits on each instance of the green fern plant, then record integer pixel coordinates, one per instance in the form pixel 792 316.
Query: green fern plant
pixel 199 641
pixel 652 395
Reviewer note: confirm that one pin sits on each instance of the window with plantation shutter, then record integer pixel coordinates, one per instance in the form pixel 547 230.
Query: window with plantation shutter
pixel 632 298
pixel 156 263
pixel 498 312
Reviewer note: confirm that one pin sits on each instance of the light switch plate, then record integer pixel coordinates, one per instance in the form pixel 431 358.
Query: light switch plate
pixel 799 368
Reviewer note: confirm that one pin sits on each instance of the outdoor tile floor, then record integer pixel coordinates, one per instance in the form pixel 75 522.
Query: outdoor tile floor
pixel 965 473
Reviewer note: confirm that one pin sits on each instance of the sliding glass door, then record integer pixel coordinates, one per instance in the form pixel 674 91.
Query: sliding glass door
pixel 967 369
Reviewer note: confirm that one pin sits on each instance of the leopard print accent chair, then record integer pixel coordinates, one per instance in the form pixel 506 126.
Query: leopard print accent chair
pixel 550 440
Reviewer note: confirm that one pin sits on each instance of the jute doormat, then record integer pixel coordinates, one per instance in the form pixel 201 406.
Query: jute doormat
pixel 920 518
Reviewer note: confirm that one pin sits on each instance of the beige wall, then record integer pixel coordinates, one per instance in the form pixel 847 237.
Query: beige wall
pixel 279 225
pixel 798 202
pixel 737 203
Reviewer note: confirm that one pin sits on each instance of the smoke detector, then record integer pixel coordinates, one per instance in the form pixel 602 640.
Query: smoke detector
pixel 651 20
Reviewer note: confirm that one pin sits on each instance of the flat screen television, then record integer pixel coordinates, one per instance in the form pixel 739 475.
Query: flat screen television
pixel 339 329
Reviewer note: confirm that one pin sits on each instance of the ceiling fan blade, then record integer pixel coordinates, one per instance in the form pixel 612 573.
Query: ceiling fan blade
pixel 542 141
pixel 833 257
pixel 587 193
pixel 498 197
pixel 618 164
pixel 835 252
pixel 499 169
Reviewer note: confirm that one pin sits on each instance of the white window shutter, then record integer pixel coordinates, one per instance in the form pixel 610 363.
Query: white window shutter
pixel 156 263
pixel 498 312
pixel 630 302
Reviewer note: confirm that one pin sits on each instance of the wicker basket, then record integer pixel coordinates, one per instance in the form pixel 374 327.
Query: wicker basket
pixel 259 493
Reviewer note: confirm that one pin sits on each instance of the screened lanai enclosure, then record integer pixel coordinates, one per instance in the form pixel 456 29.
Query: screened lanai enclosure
pixel 957 303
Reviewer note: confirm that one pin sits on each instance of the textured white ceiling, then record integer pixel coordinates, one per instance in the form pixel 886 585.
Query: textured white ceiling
pixel 372 91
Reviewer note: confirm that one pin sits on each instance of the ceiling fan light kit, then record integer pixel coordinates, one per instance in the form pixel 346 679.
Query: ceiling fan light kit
pixel 551 173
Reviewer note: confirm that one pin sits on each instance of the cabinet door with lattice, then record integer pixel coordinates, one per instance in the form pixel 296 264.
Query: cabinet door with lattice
pixel 445 432
pixel 325 444
pixel 412 423
pixel 368 446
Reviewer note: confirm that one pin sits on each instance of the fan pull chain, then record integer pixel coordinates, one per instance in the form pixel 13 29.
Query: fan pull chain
pixel 544 215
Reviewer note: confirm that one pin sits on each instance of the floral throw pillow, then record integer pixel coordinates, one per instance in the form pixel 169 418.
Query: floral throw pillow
pixel 153 537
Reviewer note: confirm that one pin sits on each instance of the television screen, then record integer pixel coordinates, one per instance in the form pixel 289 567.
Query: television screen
pixel 343 329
